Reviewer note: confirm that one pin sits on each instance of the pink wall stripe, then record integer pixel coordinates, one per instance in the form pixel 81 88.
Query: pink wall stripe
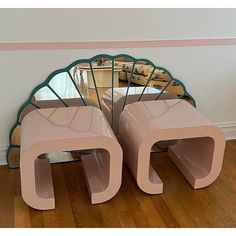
pixel 116 44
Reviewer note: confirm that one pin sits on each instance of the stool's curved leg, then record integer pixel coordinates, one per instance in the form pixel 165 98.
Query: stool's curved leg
pixel 137 156
pixel 36 181
pixel 145 175
pixel 200 159
pixel 103 172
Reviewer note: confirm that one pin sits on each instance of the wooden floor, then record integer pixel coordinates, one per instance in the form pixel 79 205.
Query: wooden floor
pixel 178 206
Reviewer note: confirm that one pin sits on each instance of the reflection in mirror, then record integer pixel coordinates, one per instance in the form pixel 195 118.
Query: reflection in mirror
pixel 60 92
pixel 15 138
pixel 141 78
pixel 189 100
pixel 79 75
pixel 110 96
pixel 64 88
pixel 82 76
pixel 162 146
pixel 13 157
pixel 102 71
pixel 14 154
pixel 175 88
pixel 141 74
pixel 26 110
pixel 56 157
pixel 43 97
pixel 99 75
pixel 161 80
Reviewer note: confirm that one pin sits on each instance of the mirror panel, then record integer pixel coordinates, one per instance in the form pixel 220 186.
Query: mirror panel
pixel 189 100
pixel 45 98
pixel 81 74
pixel 26 110
pixel 111 96
pixel 161 80
pixel 43 94
pixel 140 79
pixel 15 138
pixel 175 88
pixel 63 86
pixel 14 157
pixel 100 79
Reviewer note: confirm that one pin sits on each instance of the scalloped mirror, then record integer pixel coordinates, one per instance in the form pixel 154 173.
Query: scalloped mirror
pixel 107 82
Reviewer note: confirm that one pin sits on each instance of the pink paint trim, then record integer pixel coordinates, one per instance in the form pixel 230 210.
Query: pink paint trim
pixel 116 44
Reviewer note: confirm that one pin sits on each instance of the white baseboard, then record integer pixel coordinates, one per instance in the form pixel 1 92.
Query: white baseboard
pixel 228 128
pixel 3 155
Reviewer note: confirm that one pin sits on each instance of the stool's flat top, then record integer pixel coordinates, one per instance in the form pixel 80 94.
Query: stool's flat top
pixel 164 114
pixel 64 123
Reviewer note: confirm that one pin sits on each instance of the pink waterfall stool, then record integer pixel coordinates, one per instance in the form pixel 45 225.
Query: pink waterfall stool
pixel 198 153
pixel 66 129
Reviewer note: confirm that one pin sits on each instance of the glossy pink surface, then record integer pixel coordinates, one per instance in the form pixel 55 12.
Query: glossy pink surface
pixel 65 129
pixel 198 153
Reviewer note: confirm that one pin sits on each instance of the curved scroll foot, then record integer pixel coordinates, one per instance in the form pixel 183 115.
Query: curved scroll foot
pixel 145 175
pixel 102 171
pixel 36 183
pixel 199 159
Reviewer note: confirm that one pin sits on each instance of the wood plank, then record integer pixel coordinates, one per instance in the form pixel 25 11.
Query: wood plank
pixel 178 206
pixel 109 215
pixel 129 187
pixel 64 215
pixel 126 220
pixel 36 217
pixel 85 214
pixel 147 207
pixel 50 219
pixel 6 197
pixel 21 213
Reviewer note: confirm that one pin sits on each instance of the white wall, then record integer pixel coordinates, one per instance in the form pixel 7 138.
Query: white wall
pixel 114 24
pixel 208 72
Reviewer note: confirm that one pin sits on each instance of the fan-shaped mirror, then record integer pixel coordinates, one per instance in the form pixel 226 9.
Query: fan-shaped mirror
pixel 107 82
